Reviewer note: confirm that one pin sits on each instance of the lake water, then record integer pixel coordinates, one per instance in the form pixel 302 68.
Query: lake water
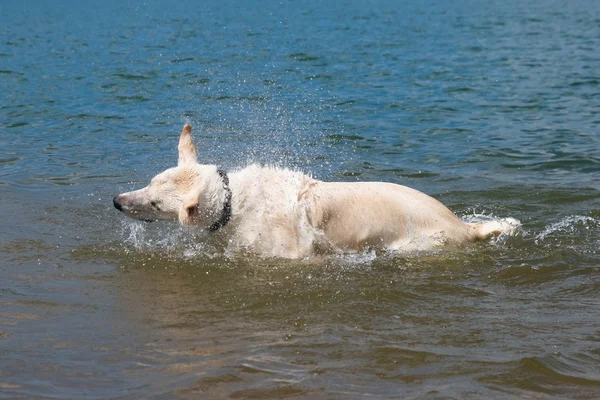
pixel 491 107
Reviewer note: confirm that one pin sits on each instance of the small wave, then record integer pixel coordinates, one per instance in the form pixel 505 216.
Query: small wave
pixel 136 98
pixel 303 57
pixel 10 160
pixel 560 368
pixel 17 124
pixel 181 60
pixel 130 76
pixel 573 224
pixel 408 357
pixel 9 72
pixel 551 373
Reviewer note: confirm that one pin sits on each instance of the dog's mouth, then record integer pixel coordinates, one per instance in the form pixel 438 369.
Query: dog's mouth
pixel 136 215
pixel 130 213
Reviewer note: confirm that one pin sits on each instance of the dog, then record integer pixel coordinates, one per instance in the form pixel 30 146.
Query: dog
pixel 276 212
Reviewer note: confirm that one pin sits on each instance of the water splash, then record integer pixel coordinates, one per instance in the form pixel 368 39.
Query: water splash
pixel 477 217
pixel 172 239
pixel 573 225
pixel 513 226
pixel 363 258
pixel 134 233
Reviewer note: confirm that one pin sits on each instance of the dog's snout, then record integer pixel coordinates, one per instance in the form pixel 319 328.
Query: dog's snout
pixel 116 203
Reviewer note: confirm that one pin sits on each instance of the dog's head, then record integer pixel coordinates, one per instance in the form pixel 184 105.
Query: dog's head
pixel 185 193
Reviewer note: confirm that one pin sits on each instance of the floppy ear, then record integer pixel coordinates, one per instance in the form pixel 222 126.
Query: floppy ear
pixel 188 152
pixel 189 212
pixel 190 209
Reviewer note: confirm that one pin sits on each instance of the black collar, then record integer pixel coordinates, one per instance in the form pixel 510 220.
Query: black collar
pixel 226 213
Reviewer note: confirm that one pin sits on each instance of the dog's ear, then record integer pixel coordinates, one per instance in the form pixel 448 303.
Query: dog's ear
pixel 190 208
pixel 188 152
pixel 189 212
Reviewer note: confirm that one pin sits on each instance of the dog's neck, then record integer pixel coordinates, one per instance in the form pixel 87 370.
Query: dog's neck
pixel 226 212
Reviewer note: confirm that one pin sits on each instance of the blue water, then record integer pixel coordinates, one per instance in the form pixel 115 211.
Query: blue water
pixel 491 107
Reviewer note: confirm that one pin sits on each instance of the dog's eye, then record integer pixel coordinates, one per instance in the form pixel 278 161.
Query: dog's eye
pixel 155 205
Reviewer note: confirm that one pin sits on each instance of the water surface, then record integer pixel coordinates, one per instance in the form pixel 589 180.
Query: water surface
pixel 490 107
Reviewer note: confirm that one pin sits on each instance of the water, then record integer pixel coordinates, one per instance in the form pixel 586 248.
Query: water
pixel 490 107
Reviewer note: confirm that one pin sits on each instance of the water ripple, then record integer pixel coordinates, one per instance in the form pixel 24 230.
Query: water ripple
pixel 491 109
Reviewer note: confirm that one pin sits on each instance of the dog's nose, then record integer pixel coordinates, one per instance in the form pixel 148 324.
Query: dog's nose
pixel 117 205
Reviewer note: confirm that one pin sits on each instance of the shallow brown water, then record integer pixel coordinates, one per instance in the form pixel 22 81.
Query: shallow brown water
pixel 143 311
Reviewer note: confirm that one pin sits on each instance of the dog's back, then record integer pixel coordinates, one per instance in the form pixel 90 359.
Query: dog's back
pixel 267 217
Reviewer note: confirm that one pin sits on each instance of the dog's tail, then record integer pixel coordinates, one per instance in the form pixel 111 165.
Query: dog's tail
pixel 490 229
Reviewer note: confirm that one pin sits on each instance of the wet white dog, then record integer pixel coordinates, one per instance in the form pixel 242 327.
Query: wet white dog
pixel 277 212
